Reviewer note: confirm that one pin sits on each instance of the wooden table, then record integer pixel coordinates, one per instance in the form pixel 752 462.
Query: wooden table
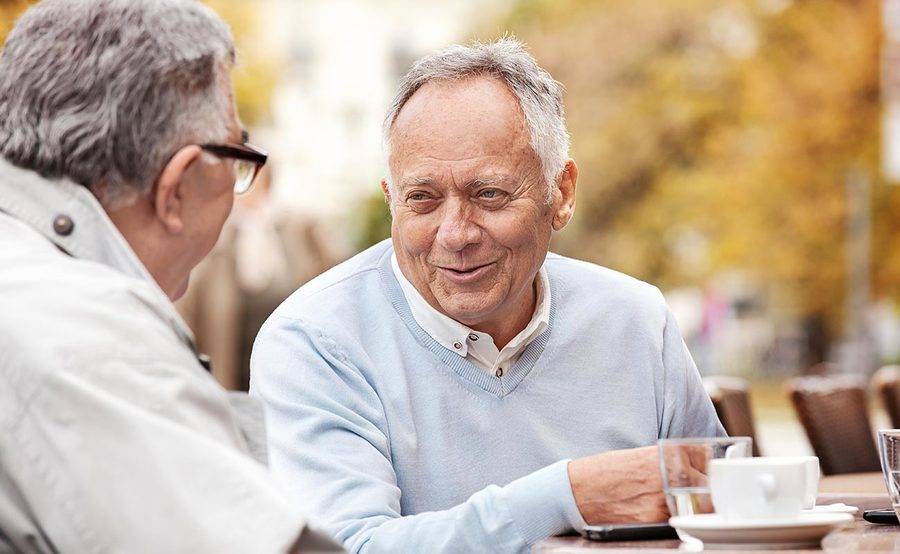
pixel 853 483
pixel 858 536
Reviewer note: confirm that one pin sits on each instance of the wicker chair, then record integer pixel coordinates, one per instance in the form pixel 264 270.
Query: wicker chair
pixel 886 383
pixel 834 412
pixel 731 399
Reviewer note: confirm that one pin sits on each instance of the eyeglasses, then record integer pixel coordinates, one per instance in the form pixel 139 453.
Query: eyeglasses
pixel 248 160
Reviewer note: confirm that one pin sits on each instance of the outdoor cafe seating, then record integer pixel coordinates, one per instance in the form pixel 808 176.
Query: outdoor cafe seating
pixel 834 412
pixel 731 399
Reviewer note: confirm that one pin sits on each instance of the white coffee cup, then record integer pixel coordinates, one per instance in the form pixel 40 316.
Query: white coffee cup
pixel 812 479
pixel 758 488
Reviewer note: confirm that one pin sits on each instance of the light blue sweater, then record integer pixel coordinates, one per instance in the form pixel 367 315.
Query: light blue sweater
pixel 395 444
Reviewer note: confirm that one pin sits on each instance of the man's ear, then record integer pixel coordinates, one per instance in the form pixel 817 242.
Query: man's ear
pixel 168 201
pixel 386 189
pixel 565 204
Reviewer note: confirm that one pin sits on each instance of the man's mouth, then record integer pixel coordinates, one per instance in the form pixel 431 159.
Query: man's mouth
pixel 465 274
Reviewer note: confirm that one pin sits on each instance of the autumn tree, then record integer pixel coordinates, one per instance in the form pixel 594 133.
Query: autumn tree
pixel 716 136
pixel 9 11
pixel 256 73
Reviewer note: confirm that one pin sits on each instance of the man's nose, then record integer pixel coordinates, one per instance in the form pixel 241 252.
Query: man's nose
pixel 457 230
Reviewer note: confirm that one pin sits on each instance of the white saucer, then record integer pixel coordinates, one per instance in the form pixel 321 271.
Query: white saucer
pixel 838 508
pixel 807 529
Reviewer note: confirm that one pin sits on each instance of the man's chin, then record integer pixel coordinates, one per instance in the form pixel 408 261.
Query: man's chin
pixel 467 308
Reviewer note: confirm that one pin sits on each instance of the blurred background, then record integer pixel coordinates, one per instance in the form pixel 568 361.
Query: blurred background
pixel 739 154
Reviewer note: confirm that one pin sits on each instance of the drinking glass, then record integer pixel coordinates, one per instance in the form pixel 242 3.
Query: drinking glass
pixel 683 465
pixel 889 452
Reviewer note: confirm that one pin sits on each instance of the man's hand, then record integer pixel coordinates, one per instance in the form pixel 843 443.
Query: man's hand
pixel 621 486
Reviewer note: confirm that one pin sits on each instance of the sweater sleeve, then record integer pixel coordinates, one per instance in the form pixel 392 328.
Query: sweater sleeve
pixel 688 410
pixel 329 447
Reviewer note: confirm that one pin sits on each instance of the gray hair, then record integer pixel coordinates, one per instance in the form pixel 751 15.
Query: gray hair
pixel 103 92
pixel 538 94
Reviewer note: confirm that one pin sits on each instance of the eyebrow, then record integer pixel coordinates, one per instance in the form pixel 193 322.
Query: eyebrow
pixel 478 182
pixel 415 181
pixel 485 181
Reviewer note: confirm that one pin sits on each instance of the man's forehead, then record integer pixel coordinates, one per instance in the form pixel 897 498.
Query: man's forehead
pixel 475 173
pixel 459 120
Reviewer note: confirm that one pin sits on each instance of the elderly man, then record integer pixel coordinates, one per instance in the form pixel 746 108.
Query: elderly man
pixel 121 156
pixel 428 394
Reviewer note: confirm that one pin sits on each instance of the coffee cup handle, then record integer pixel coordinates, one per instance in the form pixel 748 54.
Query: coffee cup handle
pixel 767 483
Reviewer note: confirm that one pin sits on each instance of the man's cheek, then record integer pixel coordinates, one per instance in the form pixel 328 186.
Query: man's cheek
pixel 418 237
pixel 515 233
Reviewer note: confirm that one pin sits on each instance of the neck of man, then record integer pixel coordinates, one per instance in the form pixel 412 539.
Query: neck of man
pixel 147 241
pixel 504 327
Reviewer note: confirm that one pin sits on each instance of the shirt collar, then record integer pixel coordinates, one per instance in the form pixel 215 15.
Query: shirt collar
pixel 448 332
pixel 69 216
pixel 541 318
pixel 452 334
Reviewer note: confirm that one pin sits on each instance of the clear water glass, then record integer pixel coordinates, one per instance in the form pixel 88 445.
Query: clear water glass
pixel 889 452
pixel 683 465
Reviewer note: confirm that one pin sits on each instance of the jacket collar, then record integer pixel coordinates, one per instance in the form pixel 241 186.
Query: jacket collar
pixel 69 216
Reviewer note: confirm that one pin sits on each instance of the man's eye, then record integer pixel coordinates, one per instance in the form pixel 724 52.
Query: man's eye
pixel 417 197
pixel 489 194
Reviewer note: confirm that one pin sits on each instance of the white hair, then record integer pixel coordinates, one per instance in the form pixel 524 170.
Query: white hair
pixel 103 92
pixel 538 94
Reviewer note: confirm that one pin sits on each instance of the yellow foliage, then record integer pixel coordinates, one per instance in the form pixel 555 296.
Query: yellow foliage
pixel 727 121
pixel 257 72
pixel 9 12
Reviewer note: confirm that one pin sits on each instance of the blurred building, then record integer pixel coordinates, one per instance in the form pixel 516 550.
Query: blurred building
pixel 340 61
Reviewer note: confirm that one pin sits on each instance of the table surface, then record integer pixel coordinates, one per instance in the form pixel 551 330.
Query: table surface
pixel 864 490
pixel 852 483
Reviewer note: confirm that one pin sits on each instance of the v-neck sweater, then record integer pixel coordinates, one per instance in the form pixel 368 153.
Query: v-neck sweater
pixel 393 443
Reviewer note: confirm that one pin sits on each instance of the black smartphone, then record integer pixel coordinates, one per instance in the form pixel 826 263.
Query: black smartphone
pixel 630 532
pixel 881 516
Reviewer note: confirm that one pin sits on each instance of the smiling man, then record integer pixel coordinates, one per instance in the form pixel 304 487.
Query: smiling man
pixel 457 388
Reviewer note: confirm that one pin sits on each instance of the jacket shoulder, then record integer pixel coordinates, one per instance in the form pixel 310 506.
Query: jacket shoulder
pixel 61 304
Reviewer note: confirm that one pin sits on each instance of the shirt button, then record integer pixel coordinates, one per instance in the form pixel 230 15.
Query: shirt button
pixel 499 372
pixel 457 345
pixel 473 337
pixel 63 225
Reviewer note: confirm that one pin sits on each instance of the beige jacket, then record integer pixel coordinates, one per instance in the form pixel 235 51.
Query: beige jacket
pixel 113 437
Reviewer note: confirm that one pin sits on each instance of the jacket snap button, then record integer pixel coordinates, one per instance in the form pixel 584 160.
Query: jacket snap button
pixel 63 225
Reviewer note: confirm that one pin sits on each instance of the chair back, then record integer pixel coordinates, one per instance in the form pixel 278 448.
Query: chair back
pixel 731 399
pixel 886 383
pixel 834 412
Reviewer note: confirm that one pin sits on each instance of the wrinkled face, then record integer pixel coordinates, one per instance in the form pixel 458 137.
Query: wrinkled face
pixel 471 225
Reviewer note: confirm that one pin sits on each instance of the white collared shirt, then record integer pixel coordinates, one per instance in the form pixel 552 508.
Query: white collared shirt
pixel 475 346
